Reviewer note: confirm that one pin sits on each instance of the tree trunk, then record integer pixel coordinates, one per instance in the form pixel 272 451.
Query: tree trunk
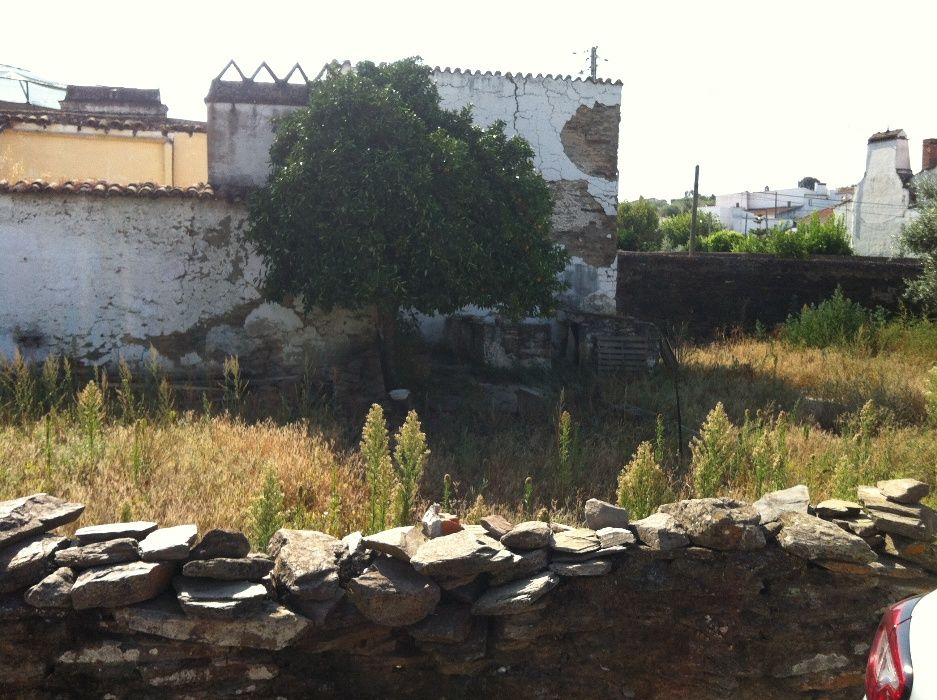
pixel 387 345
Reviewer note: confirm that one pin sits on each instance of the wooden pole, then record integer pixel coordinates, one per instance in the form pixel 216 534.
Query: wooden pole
pixel 692 245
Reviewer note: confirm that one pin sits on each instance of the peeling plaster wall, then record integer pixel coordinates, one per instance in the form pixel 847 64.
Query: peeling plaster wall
pixel 572 126
pixel 101 278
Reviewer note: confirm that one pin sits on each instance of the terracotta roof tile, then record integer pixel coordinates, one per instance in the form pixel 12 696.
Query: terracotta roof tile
pixel 102 188
pixel 43 118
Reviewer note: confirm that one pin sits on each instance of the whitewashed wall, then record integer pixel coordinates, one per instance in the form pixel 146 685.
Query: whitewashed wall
pixel 99 278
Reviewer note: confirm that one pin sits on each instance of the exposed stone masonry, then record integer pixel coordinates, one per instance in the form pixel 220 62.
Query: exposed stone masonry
pixel 706 598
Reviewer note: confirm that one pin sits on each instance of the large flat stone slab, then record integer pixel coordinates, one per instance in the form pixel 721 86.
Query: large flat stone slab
pixel 272 627
pixel 904 490
pixel 102 553
pixel 836 508
pixel 601 514
pixel 592 567
pixel 814 539
pixel 218 599
pixel 168 543
pixel 250 568
pixel 530 534
pixel 576 541
pixel 515 597
pixel 121 584
pixel 771 505
pixel 24 517
pixel 136 530
pixel 25 563
pixel 522 565
pixel 661 532
pixel 221 544
pixel 305 563
pixel 458 556
pixel 391 593
pixel 398 542
pixel 719 523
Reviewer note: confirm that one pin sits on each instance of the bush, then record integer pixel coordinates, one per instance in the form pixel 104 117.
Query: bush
pixel 724 241
pixel 638 226
pixel 811 237
pixel 642 484
pixel 266 516
pixel 834 322
pixel 714 454
pixel 676 229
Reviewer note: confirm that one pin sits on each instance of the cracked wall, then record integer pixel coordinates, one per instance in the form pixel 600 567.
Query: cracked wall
pixel 96 279
pixel 572 126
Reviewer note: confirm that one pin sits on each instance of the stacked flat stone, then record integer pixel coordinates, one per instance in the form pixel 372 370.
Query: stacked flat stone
pixel 222 579
pixel 907 525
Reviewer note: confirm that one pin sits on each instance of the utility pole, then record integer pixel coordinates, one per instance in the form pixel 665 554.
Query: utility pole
pixel 593 62
pixel 695 205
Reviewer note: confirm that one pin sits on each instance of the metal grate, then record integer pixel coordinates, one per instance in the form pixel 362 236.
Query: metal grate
pixel 637 350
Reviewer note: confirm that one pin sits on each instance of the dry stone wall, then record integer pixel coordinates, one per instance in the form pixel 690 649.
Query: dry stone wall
pixel 708 598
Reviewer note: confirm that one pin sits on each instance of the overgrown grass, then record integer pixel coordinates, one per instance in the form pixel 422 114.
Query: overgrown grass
pixel 758 414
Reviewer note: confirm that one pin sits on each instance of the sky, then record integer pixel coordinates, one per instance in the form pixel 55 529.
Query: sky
pixel 756 93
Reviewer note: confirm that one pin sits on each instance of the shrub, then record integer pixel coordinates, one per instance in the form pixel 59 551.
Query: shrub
pixel 930 396
pixel 642 484
pixel 266 513
pixel 410 452
pixel 724 241
pixel 713 454
pixel 811 237
pixel 836 321
pixel 378 470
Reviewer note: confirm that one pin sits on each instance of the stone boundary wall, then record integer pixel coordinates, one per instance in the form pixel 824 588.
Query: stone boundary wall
pixel 717 291
pixel 98 278
pixel 707 598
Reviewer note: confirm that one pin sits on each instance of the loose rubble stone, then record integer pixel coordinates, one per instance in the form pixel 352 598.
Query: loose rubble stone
pixel 718 523
pixel 28 562
pixel 221 544
pixel 399 542
pixel 873 568
pixel 589 556
pixel 615 537
pixel 121 584
pixel 771 505
pixel 531 534
pixel 578 541
pixel 435 523
pixel 218 599
pixel 835 508
pixel 250 568
pixel 101 553
pixel 522 565
pixel 136 530
pixel 449 623
pixel 594 567
pixel 904 490
pixel 23 517
pixel 272 627
pixel 391 593
pixel 354 558
pixel 515 597
pixel 496 526
pixel 168 543
pixel 305 563
pixel 660 531
pixel 601 514
pixel 54 591
pixel 922 554
pixel 457 556
pixel 812 538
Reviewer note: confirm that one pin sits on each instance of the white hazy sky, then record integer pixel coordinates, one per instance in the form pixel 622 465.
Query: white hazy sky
pixel 756 93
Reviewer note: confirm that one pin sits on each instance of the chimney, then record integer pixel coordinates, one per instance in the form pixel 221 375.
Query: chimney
pixel 929 155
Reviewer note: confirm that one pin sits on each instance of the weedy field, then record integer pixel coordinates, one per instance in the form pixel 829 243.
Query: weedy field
pixel 836 397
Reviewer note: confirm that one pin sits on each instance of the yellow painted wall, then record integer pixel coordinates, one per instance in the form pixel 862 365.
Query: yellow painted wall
pixel 88 155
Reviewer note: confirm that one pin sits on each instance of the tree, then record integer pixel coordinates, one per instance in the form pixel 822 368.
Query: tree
pixel 379 198
pixel 920 237
pixel 676 229
pixel 638 226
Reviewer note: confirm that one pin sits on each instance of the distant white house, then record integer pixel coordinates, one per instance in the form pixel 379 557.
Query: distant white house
pixel 884 198
pixel 750 211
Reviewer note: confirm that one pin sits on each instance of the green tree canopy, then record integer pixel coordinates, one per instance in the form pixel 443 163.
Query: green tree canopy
pixel 638 226
pixel 380 198
pixel 920 237
pixel 676 229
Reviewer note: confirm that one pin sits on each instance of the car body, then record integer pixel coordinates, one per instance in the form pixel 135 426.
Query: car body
pixel 902 662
